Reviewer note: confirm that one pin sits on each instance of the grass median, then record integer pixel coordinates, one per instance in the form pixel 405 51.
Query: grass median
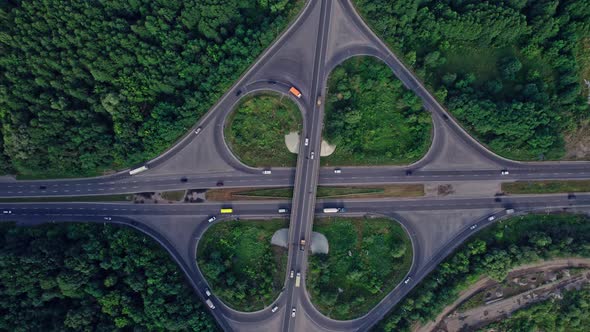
pixel 545 187
pixel 367 259
pixel 397 190
pixel 371 118
pixel 255 131
pixel 244 270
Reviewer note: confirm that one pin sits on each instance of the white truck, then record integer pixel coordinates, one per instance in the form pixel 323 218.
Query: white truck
pixel 298 280
pixel 334 210
pixel 138 170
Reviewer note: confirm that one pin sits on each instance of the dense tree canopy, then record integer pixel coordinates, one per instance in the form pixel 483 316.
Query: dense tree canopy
pixel 88 277
pixel 90 85
pixel 507 69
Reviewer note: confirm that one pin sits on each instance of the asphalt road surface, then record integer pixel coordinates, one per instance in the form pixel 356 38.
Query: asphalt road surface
pixel 324 34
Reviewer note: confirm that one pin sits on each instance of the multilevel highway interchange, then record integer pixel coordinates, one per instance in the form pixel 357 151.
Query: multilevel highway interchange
pixel 202 159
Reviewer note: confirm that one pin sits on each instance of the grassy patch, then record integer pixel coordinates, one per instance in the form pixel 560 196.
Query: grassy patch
pixel 256 130
pixel 242 267
pixel 371 118
pixel 367 259
pixel 176 195
pixel 396 190
pixel 481 62
pixel 545 187
pixel 102 198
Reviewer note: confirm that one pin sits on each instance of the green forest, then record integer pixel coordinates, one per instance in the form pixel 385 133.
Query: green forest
pixel 92 277
pixel 256 130
pixel 244 270
pixel 509 70
pixel 89 86
pixel 491 253
pixel 367 259
pixel 372 118
pixel 571 314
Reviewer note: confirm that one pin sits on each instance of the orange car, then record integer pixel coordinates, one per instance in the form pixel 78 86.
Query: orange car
pixel 295 92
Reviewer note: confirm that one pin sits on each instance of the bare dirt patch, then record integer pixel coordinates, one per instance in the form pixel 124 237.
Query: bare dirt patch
pixel 343 192
pixel 232 194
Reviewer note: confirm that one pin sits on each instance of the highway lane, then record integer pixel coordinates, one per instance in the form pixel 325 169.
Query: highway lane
pixel 280 177
pixel 253 209
pixel 113 212
pixel 306 178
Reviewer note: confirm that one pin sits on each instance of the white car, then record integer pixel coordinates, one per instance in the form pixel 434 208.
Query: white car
pixel 275 308
pixel 292 274
pixel 7 212
pixel 207 292
pixel 306 143
pixel 107 218
pixel 266 172
pixel 491 218
pixel 198 130
pixel 312 155
pixel 472 227
pixel 407 281
pixel 293 312
pixel 212 219
pixel 337 171
pixel 505 172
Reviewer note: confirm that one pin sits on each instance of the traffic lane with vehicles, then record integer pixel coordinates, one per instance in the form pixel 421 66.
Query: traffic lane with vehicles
pixel 97 213
pixel 270 208
pixel 307 174
pixel 280 177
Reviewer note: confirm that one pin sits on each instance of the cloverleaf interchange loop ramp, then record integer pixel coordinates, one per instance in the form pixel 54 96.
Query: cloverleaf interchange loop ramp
pixel 326 33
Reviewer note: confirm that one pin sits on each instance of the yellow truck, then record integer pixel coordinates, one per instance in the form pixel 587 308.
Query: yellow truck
pixel 226 211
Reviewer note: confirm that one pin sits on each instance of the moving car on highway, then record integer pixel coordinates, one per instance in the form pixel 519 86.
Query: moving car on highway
pixel 295 92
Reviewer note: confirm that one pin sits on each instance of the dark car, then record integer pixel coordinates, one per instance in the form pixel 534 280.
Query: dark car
pixel 183 179
pixel 446 117
pixel 272 82
pixel 571 196
pixel 497 199
pixel 409 172
pixel 42 187
pixel 239 92
pixel 220 183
